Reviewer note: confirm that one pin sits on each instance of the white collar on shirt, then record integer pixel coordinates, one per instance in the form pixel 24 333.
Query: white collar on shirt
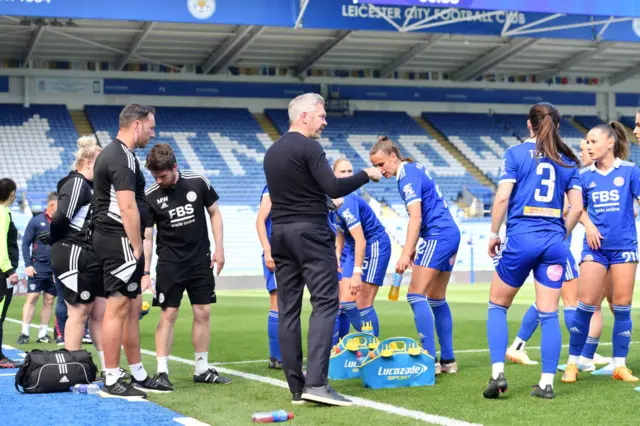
pixel 616 164
pixel 400 170
pixel 530 140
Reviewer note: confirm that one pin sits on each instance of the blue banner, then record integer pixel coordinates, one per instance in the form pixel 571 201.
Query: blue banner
pixel 4 84
pixel 248 12
pixel 441 94
pixel 628 99
pixel 344 14
pixel 217 89
pixel 626 8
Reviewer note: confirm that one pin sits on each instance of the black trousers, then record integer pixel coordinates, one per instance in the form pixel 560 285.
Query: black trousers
pixel 5 300
pixel 304 253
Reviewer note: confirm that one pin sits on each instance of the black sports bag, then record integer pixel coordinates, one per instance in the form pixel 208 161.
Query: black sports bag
pixel 55 371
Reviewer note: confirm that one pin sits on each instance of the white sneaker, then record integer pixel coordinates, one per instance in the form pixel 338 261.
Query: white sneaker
pixel 450 368
pixel 520 357
pixel 438 369
pixel 601 360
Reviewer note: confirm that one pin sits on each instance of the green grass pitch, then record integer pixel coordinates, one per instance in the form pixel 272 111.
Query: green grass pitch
pixel 239 333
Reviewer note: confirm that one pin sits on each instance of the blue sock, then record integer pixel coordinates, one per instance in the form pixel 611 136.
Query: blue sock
pixel 444 327
pixel 551 341
pixel 589 349
pixel 497 332
pixel 621 330
pixel 272 330
pixel 579 330
pixel 354 314
pixel 369 315
pixel 529 323
pixel 424 321
pixel 343 323
pixel 569 312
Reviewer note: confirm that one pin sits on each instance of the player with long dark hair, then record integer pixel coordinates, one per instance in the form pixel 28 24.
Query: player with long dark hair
pixel 433 238
pixel 534 179
pixel 589 358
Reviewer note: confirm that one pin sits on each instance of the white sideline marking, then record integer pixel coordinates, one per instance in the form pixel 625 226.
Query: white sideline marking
pixel 388 408
pixel 257 361
pixel 391 409
pixel 189 421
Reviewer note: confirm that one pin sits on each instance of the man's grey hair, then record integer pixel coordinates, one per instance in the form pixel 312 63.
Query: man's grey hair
pixel 303 103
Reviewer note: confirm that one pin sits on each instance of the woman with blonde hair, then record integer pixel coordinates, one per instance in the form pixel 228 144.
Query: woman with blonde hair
pixel 73 258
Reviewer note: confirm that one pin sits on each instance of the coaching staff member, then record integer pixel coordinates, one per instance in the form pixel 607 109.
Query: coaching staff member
pixel 119 217
pixel 302 245
pixel 177 203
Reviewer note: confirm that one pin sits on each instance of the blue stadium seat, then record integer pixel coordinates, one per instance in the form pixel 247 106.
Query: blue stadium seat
pixel 37 145
pixel 352 137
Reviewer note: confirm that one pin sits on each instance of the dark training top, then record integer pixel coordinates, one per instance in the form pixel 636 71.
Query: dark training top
pixel 179 213
pixel 116 169
pixel 300 178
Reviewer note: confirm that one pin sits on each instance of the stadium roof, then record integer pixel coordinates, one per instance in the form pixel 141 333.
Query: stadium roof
pixel 214 47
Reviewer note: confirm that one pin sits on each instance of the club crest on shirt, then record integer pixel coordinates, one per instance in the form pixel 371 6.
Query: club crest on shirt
pixel 618 181
pixel 408 191
pixel 42 224
pixel 191 196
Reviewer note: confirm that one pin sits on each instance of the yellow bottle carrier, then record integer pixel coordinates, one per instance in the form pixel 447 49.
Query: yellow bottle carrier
pixel 397 362
pixel 349 353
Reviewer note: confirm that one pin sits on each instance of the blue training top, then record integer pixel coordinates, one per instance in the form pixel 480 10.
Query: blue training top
pixel 537 198
pixel 609 197
pixel 355 211
pixel 416 185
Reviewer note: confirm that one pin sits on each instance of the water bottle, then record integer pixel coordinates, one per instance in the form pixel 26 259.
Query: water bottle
pixel 91 389
pixel 394 291
pixel 273 417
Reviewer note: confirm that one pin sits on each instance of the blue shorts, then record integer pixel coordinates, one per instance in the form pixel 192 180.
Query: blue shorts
pixel 269 277
pixel 571 268
pixel 609 257
pixel 42 282
pixel 346 263
pixel 542 252
pixel 376 261
pixel 437 252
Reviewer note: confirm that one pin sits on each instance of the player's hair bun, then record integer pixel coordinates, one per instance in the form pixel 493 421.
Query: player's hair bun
pixel 87 141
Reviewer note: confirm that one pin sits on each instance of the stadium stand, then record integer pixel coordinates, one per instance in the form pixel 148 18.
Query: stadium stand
pixel 37 145
pixel 226 145
pixel 353 136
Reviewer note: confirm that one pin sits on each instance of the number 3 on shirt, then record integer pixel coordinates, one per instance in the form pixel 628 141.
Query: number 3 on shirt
pixel 549 183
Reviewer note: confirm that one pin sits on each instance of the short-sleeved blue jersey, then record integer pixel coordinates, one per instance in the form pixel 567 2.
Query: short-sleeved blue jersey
pixel 416 185
pixel 355 211
pixel 267 222
pixel 608 198
pixel 537 198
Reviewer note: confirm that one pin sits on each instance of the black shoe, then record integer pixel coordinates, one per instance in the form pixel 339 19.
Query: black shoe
pixel 546 393
pixel 211 376
pixel 150 385
pixel 86 339
pixel 296 399
pixel 23 339
pixel 122 389
pixel 495 387
pixel 275 364
pixel 9 363
pixel 163 379
pixel 44 339
pixel 60 341
pixel 124 375
pixel 324 395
